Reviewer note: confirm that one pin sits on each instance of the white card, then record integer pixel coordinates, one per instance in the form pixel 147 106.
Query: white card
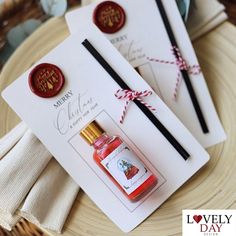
pixel 88 94
pixel 144 35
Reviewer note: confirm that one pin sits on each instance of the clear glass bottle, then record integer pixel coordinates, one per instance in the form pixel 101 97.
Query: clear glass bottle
pixel 119 162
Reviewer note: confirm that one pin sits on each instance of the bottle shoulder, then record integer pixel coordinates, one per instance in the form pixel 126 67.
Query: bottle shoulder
pixel 114 140
pixel 108 147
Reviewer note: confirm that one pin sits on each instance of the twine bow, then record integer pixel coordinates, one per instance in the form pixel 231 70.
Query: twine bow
pixel 182 65
pixel 129 95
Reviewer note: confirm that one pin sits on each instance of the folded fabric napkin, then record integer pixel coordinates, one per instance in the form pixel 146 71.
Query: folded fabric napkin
pixel 8 222
pixel 10 139
pixel 33 185
pixel 204 16
pixel 19 170
pixel 50 199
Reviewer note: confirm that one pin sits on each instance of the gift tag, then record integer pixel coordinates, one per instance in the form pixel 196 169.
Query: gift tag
pixel 154 40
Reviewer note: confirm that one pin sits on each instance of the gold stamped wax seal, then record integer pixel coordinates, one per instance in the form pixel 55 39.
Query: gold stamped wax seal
pixel 46 80
pixel 109 17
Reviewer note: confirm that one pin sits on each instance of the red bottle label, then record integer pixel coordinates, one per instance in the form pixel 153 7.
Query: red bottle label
pixel 126 168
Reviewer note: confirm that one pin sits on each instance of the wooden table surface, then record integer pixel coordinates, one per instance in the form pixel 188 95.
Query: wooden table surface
pixel 213 187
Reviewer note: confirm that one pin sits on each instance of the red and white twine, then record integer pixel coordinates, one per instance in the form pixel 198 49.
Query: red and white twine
pixel 129 95
pixel 181 64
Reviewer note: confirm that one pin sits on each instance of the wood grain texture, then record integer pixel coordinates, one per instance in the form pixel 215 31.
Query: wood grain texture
pixel 211 188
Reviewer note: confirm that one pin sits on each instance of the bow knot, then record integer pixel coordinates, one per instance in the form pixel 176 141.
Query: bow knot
pixel 130 95
pixel 181 63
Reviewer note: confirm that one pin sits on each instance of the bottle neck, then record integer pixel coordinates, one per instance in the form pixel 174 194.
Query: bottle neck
pixel 101 140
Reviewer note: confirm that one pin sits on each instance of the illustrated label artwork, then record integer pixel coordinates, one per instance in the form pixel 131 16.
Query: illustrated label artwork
pixel 126 168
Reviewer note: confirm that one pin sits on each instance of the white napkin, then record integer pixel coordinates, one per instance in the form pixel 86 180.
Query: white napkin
pixel 50 200
pixel 204 16
pixel 8 222
pixel 19 170
pixel 31 185
pixel 11 138
pixel 220 18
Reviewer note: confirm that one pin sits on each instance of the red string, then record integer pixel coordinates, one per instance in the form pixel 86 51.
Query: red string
pixel 129 95
pixel 181 64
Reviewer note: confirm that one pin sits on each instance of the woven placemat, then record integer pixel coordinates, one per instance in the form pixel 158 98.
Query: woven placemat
pixel 23 228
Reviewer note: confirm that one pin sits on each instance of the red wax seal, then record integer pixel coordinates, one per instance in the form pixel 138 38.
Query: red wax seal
pixel 109 17
pixel 46 80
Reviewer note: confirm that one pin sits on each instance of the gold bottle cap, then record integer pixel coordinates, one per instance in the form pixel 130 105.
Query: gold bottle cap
pixel 91 132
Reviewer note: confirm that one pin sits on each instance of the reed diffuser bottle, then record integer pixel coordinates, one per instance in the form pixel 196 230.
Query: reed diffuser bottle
pixel 119 162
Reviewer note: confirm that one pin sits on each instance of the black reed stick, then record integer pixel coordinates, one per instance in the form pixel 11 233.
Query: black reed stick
pixel 141 106
pixel 183 72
